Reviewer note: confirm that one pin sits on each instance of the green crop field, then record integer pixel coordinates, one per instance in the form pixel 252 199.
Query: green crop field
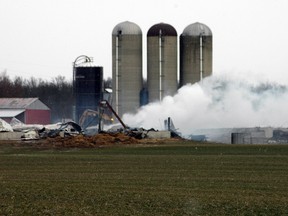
pixel 168 179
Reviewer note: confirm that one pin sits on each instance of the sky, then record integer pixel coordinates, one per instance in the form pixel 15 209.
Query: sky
pixel 42 38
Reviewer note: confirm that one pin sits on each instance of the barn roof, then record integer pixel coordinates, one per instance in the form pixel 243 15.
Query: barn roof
pixel 8 113
pixel 22 103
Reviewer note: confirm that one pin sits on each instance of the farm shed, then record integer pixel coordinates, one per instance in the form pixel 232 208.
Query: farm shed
pixel 27 110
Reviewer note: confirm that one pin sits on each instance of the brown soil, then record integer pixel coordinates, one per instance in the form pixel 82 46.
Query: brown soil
pixel 80 141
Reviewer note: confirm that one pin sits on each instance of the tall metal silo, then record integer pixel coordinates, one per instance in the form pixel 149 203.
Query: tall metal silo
pixel 87 86
pixel 161 61
pixel 126 67
pixel 195 53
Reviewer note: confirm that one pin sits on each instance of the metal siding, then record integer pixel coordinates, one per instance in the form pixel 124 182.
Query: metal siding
pixel 21 103
pixel 88 89
pixel 21 117
pixel 10 112
pixel 37 116
pixel 17 103
pixel 37 104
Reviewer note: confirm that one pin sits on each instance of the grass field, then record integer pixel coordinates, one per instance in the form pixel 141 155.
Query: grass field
pixel 172 179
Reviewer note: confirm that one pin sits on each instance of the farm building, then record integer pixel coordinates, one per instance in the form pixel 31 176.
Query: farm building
pixel 27 110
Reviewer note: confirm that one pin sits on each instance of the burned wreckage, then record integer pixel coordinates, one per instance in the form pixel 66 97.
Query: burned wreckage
pixel 33 132
pixel 105 113
pixel 18 130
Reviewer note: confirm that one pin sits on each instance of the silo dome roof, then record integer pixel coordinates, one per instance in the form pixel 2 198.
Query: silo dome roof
pixel 166 30
pixel 196 29
pixel 127 28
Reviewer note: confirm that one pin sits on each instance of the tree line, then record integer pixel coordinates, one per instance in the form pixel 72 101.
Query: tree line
pixel 57 93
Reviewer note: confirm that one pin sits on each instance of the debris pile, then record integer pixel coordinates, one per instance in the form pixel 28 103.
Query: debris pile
pixel 71 135
pixel 17 130
pixel 82 141
pixel 96 141
pixel 4 126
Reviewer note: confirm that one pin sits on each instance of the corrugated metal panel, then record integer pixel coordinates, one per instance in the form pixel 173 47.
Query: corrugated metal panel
pixel 8 113
pixel 37 117
pixel 16 103
pixel 22 103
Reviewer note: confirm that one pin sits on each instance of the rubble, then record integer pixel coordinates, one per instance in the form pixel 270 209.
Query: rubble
pixel 97 141
pixel 30 135
pixel 70 135
pixel 4 126
pixel 60 129
pixel 37 131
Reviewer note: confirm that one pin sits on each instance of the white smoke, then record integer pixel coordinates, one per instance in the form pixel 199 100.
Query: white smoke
pixel 217 102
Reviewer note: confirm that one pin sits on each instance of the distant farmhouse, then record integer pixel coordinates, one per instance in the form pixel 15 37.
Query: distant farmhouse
pixel 27 110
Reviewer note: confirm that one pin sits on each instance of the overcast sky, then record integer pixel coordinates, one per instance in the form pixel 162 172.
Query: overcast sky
pixel 42 38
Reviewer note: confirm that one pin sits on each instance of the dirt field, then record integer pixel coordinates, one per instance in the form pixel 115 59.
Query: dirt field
pixel 160 178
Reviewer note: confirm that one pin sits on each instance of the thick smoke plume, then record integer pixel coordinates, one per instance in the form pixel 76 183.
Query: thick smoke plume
pixel 217 102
